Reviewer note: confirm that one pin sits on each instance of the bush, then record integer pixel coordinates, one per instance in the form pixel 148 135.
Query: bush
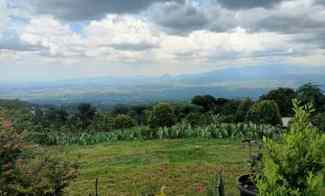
pixel 265 112
pixel 12 151
pixel 23 174
pixel 319 121
pixel 202 119
pixel 49 175
pixel 123 121
pixel 162 115
pixel 243 109
pixel 293 166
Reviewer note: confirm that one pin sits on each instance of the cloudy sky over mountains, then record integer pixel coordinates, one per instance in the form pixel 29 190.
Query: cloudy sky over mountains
pixel 60 39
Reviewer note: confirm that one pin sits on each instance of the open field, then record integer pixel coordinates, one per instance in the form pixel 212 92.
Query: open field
pixel 130 168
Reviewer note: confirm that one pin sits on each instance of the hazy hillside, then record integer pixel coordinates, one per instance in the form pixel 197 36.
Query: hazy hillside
pixel 230 83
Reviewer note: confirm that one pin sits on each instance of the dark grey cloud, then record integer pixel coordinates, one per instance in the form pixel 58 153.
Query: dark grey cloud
pixel 10 41
pixel 248 4
pixel 78 10
pixel 290 24
pixel 179 18
pixel 322 2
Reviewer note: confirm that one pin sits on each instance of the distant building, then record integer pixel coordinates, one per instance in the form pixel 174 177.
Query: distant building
pixel 286 121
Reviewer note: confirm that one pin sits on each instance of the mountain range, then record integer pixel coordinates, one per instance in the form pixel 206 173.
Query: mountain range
pixel 237 82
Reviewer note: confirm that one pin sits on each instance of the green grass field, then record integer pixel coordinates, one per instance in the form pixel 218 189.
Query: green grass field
pixel 130 168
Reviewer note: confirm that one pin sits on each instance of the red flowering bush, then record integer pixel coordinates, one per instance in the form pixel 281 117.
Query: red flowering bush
pixel 21 173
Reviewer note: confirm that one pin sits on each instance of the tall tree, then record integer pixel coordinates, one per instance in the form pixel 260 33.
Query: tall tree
pixel 283 97
pixel 311 93
pixel 86 114
pixel 207 102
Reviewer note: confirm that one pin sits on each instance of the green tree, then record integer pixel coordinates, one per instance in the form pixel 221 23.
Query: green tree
pixel 104 121
pixel 183 109
pixel 311 93
pixel 123 121
pixel 318 120
pixel 230 108
pixel 86 114
pixel 293 165
pixel 120 109
pixel 207 102
pixel 265 112
pixel 283 97
pixel 243 109
pixel 162 115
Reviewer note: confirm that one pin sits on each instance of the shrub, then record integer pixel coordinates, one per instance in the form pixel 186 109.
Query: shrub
pixel 319 121
pixel 162 115
pixel 242 109
pixel 265 112
pixel 311 93
pixel 198 119
pixel 293 166
pixel 123 121
pixel 23 174
pixel 12 152
pixel 49 175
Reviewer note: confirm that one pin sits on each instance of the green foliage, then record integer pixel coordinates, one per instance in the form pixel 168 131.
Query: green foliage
pixel 47 175
pixel 103 121
pixel 182 110
pixel 293 166
pixel 12 152
pixel 181 130
pixel 265 112
pixel 201 119
pixel 120 109
pixel 283 97
pixel 162 115
pixel 230 108
pixel 207 102
pixel 123 121
pixel 86 114
pixel 23 174
pixel 243 109
pixel 311 93
pixel 319 121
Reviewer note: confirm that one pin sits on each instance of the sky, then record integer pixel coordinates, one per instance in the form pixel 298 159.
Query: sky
pixel 59 39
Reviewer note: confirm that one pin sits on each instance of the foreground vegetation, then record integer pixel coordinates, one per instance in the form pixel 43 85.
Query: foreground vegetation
pixel 183 130
pixel 183 166
pixel 176 147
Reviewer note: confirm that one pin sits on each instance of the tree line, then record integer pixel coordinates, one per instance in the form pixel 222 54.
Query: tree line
pixel 267 109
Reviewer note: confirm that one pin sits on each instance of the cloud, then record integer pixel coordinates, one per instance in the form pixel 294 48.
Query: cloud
pixel 122 33
pixel 290 24
pixel 160 35
pixel 134 47
pixel 78 10
pixel 49 33
pixel 3 15
pixel 179 18
pixel 248 4
pixel 11 41
pixel 322 2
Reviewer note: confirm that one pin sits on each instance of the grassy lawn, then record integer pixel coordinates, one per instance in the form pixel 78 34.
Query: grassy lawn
pixel 129 168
